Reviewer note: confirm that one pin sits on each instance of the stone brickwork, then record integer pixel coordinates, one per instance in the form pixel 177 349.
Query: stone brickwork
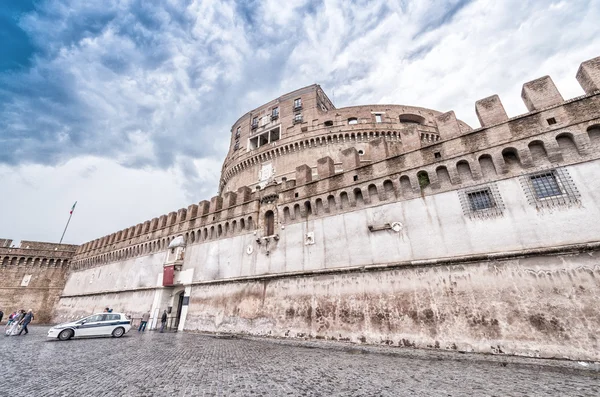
pixel 32 276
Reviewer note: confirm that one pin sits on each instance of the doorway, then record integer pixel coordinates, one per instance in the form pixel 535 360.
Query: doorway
pixel 179 307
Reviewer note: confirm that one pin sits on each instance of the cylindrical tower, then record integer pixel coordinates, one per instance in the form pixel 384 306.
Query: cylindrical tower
pixel 268 143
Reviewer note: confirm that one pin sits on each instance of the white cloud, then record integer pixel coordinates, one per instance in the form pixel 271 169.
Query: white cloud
pixel 128 106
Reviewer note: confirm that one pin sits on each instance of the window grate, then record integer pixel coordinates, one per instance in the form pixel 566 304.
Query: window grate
pixel 550 188
pixel 482 201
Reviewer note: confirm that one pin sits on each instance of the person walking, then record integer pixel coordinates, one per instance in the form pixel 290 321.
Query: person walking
pixel 145 318
pixel 163 321
pixel 25 322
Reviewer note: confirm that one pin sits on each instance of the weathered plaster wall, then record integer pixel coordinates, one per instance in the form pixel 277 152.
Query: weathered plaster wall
pixel 134 273
pixel 434 227
pixel 539 305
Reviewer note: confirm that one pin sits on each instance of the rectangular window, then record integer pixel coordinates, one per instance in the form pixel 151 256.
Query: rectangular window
pixel 378 118
pixel 483 201
pixel 550 188
pixel 275 113
pixel 238 132
pixel 480 200
pixel 255 122
pixel 545 185
pixel 298 103
pixel 298 118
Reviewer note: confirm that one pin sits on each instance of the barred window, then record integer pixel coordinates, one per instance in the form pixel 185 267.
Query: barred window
pixel 550 188
pixel 545 185
pixel 482 201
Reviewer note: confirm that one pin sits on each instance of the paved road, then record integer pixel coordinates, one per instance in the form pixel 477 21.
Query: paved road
pixel 182 364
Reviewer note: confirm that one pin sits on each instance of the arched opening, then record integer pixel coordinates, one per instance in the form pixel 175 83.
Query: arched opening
pixel 219 230
pixel 443 176
pixel 566 143
pixel 286 214
pixel 319 204
pixel 331 203
pixel 423 178
pixel 233 227
pixel 250 223
pixel 269 223
pixel 388 188
pixel 242 224
pixel 411 118
pixel 307 208
pixel 352 120
pixel 511 158
pixel 296 211
pixel 464 170
pixel 594 133
pixel 538 151
pixel 373 196
pixel 344 201
pixel 211 235
pixel 405 186
pixel 358 197
pixel 488 169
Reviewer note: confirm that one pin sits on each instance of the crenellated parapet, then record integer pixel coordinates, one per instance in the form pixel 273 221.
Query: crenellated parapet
pixel 553 133
pixel 36 253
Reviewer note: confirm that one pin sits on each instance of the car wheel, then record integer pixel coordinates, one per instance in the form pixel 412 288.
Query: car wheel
pixel 118 332
pixel 66 334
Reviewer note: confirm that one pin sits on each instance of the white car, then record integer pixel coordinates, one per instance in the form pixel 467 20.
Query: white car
pixel 101 324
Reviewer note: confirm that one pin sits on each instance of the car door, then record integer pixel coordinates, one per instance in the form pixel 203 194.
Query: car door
pixel 110 322
pixel 89 325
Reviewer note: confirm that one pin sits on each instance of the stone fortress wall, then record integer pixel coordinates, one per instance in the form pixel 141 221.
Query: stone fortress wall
pixel 441 240
pixel 33 276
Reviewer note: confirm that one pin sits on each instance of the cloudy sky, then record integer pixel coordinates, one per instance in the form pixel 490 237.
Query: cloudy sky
pixel 126 107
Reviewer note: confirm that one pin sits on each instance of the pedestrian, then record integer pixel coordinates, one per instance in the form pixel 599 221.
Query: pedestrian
pixel 1 315
pixel 106 310
pixel 10 318
pixel 145 318
pixel 25 322
pixel 163 321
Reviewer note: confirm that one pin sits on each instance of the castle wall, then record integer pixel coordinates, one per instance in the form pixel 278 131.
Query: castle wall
pixel 543 306
pixel 41 294
pixel 32 276
pixel 482 240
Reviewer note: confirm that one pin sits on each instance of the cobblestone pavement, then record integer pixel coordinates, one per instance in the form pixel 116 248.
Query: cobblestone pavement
pixel 183 364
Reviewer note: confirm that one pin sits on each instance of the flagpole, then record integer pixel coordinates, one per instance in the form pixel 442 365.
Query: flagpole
pixel 67 225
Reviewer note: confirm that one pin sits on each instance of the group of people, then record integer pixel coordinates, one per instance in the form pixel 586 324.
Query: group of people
pixel 146 318
pixel 17 322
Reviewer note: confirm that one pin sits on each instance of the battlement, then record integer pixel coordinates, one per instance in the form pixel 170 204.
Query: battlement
pixel 35 253
pixel 554 132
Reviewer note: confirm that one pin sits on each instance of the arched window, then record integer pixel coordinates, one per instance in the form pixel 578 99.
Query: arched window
pixel 412 118
pixel 269 223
